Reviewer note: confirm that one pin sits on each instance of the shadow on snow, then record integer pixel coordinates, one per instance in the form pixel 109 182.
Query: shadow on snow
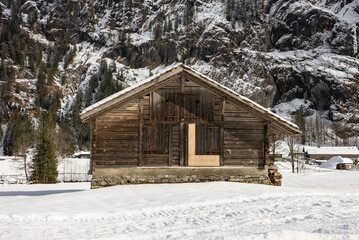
pixel 38 193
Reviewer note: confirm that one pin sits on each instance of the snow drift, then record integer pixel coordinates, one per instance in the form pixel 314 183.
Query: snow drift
pixel 332 163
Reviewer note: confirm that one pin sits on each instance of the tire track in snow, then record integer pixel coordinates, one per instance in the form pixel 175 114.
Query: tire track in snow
pixel 232 217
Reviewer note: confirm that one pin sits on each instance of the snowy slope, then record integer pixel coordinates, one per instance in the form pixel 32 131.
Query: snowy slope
pixel 308 206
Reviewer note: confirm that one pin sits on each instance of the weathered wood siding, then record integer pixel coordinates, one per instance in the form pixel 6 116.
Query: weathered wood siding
pixel 116 136
pixel 243 137
pixel 150 130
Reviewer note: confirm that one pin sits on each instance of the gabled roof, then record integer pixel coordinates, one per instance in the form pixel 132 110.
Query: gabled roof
pixel 124 95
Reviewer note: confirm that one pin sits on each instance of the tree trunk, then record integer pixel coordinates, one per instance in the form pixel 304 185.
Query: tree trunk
pixel 25 167
pixel 292 157
pixel 297 164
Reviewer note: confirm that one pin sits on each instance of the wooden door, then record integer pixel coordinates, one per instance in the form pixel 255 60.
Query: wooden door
pixel 203 145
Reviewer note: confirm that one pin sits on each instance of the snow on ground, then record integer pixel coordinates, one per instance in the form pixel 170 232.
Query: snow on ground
pixel 10 165
pixel 311 205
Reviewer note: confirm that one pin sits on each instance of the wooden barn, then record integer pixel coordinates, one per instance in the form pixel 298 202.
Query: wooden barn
pixel 181 126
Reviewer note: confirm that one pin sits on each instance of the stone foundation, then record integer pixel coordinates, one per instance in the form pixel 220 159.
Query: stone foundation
pixel 103 177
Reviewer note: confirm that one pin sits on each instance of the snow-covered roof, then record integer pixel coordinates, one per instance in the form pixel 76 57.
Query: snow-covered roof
pixel 340 151
pixel 123 95
pixel 80 153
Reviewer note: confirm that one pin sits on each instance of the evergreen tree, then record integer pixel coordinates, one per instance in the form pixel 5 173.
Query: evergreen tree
pixel 176 22
pixel 45 162
pixel 189 13
pixel 69 57
pixel 65 143
pixel 157 31
pixel 40 85
pixel 18 131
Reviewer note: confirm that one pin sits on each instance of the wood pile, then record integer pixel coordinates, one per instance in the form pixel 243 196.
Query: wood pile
pixel 275 177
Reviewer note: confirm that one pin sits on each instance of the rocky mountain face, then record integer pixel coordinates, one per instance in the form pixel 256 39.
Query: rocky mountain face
pixel 283 54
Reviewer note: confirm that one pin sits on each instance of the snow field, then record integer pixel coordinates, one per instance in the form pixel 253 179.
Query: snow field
pixel 312 205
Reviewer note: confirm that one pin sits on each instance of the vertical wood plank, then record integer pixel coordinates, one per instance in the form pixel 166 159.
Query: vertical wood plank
pixel 221 132
pixel 185 145
pixel 182 99
pixel 182 142
pixel 151 106
pixel 170 145
pixel 266 145
pixel 92 146
pixel 140 133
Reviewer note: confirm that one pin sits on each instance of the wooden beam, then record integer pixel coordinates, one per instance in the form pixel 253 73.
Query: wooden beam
pixel 266 144
pixel 140 133
pixel 170 145
pixel 92 146
pixel 182 133
pixel 182 98
pixel 182 142
pixel 151 106
pixel 221 133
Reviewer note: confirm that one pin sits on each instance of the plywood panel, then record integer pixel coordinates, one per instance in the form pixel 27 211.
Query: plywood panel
pixel 198 160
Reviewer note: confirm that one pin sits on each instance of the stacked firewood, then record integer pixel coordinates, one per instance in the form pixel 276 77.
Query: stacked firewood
pixel 275 177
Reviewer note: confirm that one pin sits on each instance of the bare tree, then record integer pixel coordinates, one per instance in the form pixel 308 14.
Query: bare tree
pixel 274 144
pixel 290 142
pixel 22 143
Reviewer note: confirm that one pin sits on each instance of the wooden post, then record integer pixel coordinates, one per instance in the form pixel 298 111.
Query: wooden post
pixel 151 107
pixel 140 133
pixel 92 146
pixel 182 99
pixel 170 145
pixel 221 142
pixel 182 134
pixel 265 146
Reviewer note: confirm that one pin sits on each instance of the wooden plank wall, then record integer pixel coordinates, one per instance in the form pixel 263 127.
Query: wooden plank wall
pixel 160 119
pixel 117 135
pixel 243 137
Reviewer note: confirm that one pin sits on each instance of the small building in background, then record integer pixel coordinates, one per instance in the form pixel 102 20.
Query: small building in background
pixel 325 153
pixel 83 155
pixel 345 166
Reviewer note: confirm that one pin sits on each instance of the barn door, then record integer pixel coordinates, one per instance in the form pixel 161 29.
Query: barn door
pixel 155 148
pixel 203 145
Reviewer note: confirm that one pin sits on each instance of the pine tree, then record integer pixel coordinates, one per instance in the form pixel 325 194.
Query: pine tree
pixel 40 85
pixel 65 142
pixel 176 22
pixel 45 162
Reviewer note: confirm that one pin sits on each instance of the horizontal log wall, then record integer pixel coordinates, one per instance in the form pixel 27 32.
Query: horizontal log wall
pixel 243 137
pixel 117 136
